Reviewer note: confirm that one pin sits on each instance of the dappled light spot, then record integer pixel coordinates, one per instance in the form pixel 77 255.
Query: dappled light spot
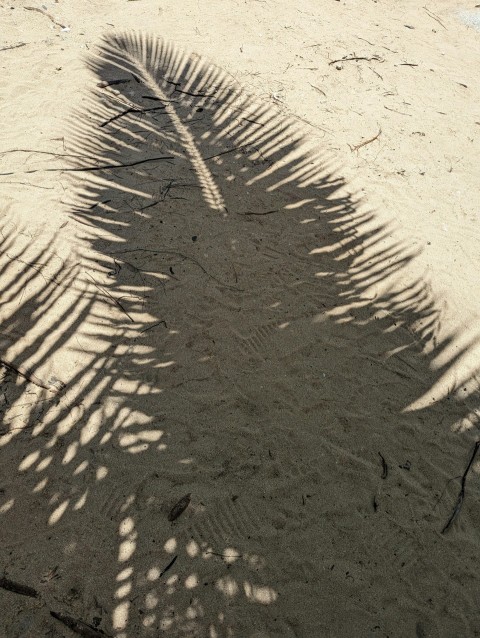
pixel 63 428
pixel 7 506
pixel 153 574
pixel 192 548
pixel 194 612
pixel 81 501
pixel 58 512
pixel 131 439
pixel 38 429
pixel 191 581
pixel 126 550
pixel 151 600
pixel 136 449
pixel 462 425
pixel 284 325
pixel 299 204
pixel 70 548
pixel 70 453
pixel 101 472
pixel 172 580
pixel 129 500
pixel 149 620
pixel 134 387
pixel 126 526
pixel 81 468
pixel 165 364
pixel 105 438
pixel 44 463
pixel 29 460
pixel 254 561
pixel 40 485
pixel 89 432
pixel 170 545
pixel 262 595
pixel 125 573
pixel 5 439
pixel 130 418
pixel 212 632
pixel 123 590
pixel 186 461
pixel 54 498
pixel 227 586
pixel 166 624
pixel 51 442
pixel 171 584
pixel 120 615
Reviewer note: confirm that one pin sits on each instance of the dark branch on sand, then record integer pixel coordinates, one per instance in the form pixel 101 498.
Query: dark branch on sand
pixel 130 110
pixel 17 588
pixel 356 57
pixel 461 494
pixel 115 301
pixel 55 385
pixel 102 167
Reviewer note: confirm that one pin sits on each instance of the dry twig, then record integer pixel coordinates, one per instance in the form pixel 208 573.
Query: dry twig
pixel 369 141
pixel 461 494
pixel 356 57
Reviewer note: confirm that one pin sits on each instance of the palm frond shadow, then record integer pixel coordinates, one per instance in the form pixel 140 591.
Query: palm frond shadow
pixel 230 350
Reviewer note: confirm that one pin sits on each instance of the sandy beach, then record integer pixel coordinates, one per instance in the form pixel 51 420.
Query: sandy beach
pixel 239 319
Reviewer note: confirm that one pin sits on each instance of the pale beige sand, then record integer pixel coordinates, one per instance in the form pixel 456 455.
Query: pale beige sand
pixel 252 312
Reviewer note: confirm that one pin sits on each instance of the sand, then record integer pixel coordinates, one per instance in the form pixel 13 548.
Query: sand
pixel 239 320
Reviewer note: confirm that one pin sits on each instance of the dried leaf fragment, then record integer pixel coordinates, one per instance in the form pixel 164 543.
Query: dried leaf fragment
pixel 179 507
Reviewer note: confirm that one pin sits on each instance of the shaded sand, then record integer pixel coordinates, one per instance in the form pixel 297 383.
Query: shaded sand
pixel 242 338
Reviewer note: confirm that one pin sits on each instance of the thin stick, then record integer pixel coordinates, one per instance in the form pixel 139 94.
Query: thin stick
pixel 29 375
pixel 317 89
pixel 46 14
pixel 78 626
pixel 355 57
pixel 104 83
pixel 130 110
pixel 162 322
pixel 111 297
pixel 158 99
pixel 178 254
pixel 192 94
pixel 36 267
pixel 102 167
pixel 170 564
pixel 369 141
pixel 231 150
pixel 13 46
pixel 384 467
pixel 395 111
pixel 268 212
pixel 31 150
pixel 435 17
pixel 461 494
